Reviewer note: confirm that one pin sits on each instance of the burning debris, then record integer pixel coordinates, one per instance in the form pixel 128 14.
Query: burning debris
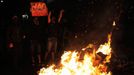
pixel 84 62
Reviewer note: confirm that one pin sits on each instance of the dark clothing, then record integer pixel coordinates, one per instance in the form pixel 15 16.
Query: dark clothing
pixel 54 42
pixel 38 41
pixel 37 33
pixel 14 38
pixel 52 48
pixel 53 30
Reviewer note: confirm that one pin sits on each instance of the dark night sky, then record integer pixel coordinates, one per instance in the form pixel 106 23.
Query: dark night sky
pixel 88 19
pixel 85 21
pixel 91 21
pixel 85 18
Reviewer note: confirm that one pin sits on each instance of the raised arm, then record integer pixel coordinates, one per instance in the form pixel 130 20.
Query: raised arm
pixel 60 16
pixel 49 17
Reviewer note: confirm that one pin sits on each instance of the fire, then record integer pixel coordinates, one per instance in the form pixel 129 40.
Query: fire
pixel 84 62
pixel 105 49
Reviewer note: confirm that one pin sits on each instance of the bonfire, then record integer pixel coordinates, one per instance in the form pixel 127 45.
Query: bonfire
pixel 88 61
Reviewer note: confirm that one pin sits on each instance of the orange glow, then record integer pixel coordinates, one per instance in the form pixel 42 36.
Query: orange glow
pixel 105 49
pixel 82 62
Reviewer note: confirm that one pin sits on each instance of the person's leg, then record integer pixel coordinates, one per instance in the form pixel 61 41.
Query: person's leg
pixel 32 52
pixel 49 46
pixel 34 47
pixel 53 57
pixel 39 53
pixel 43 52
pixel 55 51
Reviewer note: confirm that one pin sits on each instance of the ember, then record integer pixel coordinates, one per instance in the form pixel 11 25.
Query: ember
pixel 82 62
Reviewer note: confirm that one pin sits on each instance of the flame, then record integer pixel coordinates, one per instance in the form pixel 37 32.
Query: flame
pixel 105 49
pixel 84 62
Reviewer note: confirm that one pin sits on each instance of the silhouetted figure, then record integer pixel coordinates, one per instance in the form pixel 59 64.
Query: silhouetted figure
pixel 54 37
pixel 14 42
pixel 35 42
pixel 38 45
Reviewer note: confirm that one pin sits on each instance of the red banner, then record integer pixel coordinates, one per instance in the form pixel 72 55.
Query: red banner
pixel 38 9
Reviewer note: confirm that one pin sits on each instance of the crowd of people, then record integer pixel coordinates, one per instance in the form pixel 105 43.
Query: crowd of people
pixel 34 41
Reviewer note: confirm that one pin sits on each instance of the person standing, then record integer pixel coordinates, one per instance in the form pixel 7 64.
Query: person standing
pixel 54 37
pixel 35 42
pixel 38 38
pixel 14 42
